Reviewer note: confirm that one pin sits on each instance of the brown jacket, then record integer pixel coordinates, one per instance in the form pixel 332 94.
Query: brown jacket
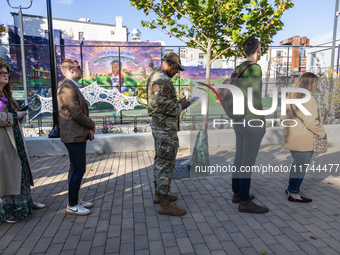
pixel 74 121
pixel 300 137
pixel 10 164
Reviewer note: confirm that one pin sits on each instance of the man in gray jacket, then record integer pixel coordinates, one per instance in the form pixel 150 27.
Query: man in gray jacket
pixel 75 129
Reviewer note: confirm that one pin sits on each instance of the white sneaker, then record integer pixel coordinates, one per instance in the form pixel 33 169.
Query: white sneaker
pixel 85 204
pixel 78 210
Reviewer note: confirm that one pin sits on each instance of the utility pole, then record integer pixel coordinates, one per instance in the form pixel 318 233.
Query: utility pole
pixel 22 46
pixel 334 32
pixel 55 133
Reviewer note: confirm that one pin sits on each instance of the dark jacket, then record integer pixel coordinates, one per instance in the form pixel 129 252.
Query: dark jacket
pixel 74 121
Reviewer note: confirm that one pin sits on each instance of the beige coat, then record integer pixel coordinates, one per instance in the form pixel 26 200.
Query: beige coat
pixel 300 137
pixel 74 121
pixel 10 164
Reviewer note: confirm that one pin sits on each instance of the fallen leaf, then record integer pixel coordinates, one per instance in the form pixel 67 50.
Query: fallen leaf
pixel 178 178
pixel 335 214
pixel 134 183
pixel 329 183
pixel 72 220
pixel 176 193
pixel 87 227
pixel 194 180
pixel 263 252
pixel 217 147
pixel 313 237
pixel 91 170
pixel 99 154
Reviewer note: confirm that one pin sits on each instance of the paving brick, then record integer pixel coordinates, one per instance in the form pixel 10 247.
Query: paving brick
pixel 212 242
pixel 287 243
pixel 12 248
pixel 42 245
pixel 240 240
pixel 141 242
pixel 127 249
pixel 54 249
pixel 185 245
pixel 179 231
pixel 171 251
pixel 99 239
pixel 156 248
pixel 154 234
pixel 205 229
pixel 195 236
pixel 112 245
pixel 84 248
pixel 169 239
pixel 97 250
pixel 71 243
pixel 266 237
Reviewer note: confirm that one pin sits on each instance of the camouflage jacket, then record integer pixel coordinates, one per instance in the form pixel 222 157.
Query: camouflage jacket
pixel 163 104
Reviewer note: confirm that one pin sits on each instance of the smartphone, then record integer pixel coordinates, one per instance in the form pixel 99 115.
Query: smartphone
pixel 23 109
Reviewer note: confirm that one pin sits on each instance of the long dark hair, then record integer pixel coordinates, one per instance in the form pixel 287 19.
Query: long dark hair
pixel 8 92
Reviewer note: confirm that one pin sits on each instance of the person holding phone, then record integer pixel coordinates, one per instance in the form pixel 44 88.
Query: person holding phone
pixel 165 109
pixel 15 173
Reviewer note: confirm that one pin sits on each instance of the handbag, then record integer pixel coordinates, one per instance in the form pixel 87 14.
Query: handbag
pixel 320 144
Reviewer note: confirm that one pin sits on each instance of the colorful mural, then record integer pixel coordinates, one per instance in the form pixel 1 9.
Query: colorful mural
pixel 101 61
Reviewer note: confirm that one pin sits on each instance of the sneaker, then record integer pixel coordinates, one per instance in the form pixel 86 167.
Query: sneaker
pixel 37 205
pixel 12 220
pixel 85 204
pixel 78 210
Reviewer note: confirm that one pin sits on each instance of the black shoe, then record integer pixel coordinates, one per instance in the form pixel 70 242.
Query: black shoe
pixel 236 197
pixel 248 206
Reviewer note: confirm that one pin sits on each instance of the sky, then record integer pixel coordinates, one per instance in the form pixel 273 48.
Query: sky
pixel 311 18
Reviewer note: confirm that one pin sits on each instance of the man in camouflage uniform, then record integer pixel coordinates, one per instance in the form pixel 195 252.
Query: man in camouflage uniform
pixel 165 109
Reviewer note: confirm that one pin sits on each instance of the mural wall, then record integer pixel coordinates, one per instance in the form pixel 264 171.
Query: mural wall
pixel 125 66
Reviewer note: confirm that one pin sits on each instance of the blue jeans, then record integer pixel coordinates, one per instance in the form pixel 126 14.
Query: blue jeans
pixel 77 154
pixel 248 141
pixel 298 169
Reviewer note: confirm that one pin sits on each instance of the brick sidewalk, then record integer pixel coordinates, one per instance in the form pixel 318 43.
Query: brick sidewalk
pixel 125 221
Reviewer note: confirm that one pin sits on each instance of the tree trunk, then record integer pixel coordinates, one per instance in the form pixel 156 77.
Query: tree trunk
pixel 207 76
pixel 268 70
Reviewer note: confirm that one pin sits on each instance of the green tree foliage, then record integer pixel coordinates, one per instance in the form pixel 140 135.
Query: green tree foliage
pixel 217 27
pixel 2 30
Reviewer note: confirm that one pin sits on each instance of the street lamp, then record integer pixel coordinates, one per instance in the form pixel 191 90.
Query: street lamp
pixel 22 46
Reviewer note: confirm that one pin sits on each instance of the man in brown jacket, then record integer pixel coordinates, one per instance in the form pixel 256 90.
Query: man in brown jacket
pixel 75 128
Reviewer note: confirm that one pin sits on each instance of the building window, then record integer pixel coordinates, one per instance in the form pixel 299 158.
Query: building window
pixel 200 55
pixel 46 33
pixel 81 36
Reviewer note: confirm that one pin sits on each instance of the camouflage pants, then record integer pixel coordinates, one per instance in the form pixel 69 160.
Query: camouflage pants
pixel 166 145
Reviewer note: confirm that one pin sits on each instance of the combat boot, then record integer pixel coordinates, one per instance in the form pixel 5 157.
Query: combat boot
pixel 166 208
pixel 236 197
pixel 157 199
pixel 247 206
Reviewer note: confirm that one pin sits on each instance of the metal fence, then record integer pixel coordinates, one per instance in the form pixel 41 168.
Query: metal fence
pixel 128 67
